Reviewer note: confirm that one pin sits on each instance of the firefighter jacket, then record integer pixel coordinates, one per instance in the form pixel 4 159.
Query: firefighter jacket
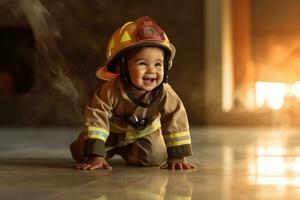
pixel 105 114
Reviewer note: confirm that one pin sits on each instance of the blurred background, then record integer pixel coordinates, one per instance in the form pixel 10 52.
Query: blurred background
pixel 237 71
pixel 236 61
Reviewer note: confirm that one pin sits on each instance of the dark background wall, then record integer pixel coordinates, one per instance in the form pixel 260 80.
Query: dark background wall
pixel 69 44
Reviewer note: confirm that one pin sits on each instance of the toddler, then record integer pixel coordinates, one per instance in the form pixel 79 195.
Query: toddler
pixel 135 114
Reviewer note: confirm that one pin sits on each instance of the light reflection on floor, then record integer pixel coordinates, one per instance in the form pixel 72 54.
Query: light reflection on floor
pixel 272 165
pixel 233 163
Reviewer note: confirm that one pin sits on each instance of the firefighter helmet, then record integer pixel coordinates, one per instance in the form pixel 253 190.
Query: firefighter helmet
pixel 142 32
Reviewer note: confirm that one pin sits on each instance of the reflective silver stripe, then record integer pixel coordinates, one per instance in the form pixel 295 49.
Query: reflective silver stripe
pixel 177 139
pixel 96 133
pixel 133 134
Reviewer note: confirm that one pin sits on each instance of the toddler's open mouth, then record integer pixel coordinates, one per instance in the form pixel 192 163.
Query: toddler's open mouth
pixel 148 79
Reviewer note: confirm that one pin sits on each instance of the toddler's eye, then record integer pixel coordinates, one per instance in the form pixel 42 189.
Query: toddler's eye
pixel 142 63
pixel 158 64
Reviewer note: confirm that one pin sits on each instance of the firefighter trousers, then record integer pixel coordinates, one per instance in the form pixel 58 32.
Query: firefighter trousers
pixel 148 150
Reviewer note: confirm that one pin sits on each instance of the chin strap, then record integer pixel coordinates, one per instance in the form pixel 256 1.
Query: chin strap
pixel 140 123
pixel 155 94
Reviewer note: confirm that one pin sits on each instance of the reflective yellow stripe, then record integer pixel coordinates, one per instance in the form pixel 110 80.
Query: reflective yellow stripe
pixel 133 134
pixel 149 129
pixel 96 136
pixel 175 135
pixel 176 139
pixel 95 128
pixel 96 133
pixel 178 143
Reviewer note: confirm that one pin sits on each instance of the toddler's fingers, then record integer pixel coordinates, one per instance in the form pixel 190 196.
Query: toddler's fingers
pixel 178 166
pixel 185 166
pixel 172 167
pixel 86 166
pixel 96 166
pixel 79 165
pixel 106 166
pixel 192 166
pixel 164 166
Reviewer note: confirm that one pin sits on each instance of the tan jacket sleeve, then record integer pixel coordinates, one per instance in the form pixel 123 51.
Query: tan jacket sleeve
pixel 175 126
pixel 97 115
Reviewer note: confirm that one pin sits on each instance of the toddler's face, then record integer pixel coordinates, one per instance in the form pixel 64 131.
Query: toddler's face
pixel 146 67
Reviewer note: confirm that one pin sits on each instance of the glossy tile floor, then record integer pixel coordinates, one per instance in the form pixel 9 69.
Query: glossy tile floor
pixel 233 163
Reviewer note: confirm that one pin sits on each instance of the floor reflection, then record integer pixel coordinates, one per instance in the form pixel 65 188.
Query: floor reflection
pixel 149 187
pixel 233 163
pixel 162 187
pixel 275 164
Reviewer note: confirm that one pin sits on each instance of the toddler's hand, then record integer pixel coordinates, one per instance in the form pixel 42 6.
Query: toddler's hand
pixel 94 162
pixel 177 164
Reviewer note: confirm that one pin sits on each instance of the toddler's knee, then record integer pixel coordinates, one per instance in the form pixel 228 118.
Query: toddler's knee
pixel 153 160
pixel 153 156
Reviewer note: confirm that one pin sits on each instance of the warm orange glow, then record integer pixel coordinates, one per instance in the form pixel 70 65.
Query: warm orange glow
pixel 295 90
pixel 272 166
pixel 271 94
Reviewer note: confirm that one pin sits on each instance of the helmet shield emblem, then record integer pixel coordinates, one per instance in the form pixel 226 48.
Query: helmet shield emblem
pixel 148 30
